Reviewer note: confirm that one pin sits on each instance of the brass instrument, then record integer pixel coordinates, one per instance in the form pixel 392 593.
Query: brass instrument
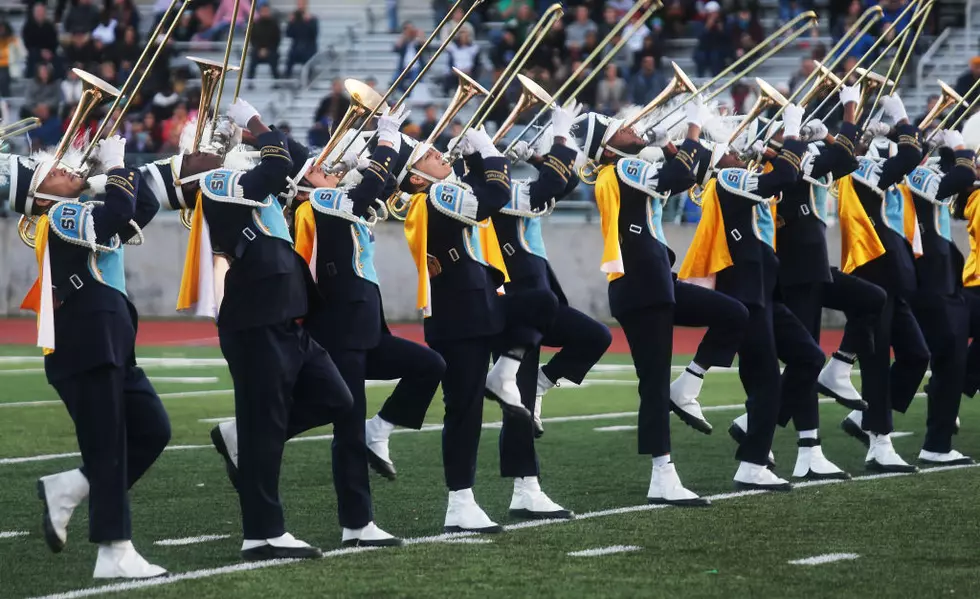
pixel 769 96
pixel 827 81
pixel 408 67
pixel 873 82
pixel 653 6
pixel 947 98
pixel 466 90
pixel 19 127
pixel 94 91
pixel 363 100
pixel 532 95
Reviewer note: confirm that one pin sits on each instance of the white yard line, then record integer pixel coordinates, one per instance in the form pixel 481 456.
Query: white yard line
pixel 22 371
pixel 190 540
pixel 466 541
pixel 604 551
pixel 174 395
pixel 246 566
pixel 613 429
pixel 11 534
pixel 826 558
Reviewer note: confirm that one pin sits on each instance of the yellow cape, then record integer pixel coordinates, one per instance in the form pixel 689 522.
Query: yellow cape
pixel 910 224
pixel 305 234
pixel 708 254
pixel 971 270
pixel 860 243
pixel 189 294
pixel 607 199
pixel 39 298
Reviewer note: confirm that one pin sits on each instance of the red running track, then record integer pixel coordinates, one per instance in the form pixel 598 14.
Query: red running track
pixel 175 332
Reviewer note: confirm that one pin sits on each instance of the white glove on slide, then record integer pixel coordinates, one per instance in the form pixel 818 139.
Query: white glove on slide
pixel 850 93
pixel 696 112
pixel 894 108
pixel 522 152
pixel 877 129
pixel 658 137
pixel 351 161
pixel 241 112
pixel 792 119
pixel 477 140
pixel 112 152
pixel 389 124
pixel 952 138
pixel 814 130
pixel 561 120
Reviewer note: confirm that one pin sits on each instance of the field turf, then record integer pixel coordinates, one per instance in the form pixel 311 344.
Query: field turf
pixel 907 536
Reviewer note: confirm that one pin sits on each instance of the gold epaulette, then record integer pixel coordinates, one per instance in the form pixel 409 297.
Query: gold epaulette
pixel 791 158
pixel 845 142
pixel 967 162
pixel 378 169
pixel 561 169
pixel 908 140
pixel 685 158
pixel 495 176
pixel 274 151
pixel 123 183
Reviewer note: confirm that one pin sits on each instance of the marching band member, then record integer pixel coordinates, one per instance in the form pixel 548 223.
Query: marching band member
pixel 643 294
pixel 284 381
pixel 939 304
pixel 582 340
pixel 465 319
pixel 807 283
pixel 966 207
pixel 733 251
pixel 88 329
pixel 877 222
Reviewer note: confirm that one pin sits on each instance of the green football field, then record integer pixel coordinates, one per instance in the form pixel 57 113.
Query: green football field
pixel 887 536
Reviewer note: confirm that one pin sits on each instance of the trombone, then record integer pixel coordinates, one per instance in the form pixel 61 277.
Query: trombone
pixel 19 127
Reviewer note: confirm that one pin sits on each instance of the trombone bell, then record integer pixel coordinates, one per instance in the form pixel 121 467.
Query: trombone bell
pixel 210 75
pixel 94 90
pixel 466 90
pixel 768 96
pixel 363 100
pixel 826 81
pixel 679 84
pixel 532 95
pixel 947 98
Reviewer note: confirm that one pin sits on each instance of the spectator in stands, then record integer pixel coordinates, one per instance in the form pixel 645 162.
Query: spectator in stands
pixel 806 67
pixel 713 49
pixel 552 54
pixel 523 21
pixel 451 24
pixel 71 88
pixel 651 47
pixel 588 95
pixel 620 6
pixel 930 104
pixel 430 121
pixel 223 18
pixel 503 52
pixel 11 58
pixel 507 9
pixel 463 55
pixel 82 17
pixel 40 38
pixel 43 89
pixel 140 141
pixel 319 134
pixel 266 36
pixel 79 50
pixel 611 93
pixel 126 51
pixel 576 30
pixel 609 20
pixel 303 29
pixel 186 27
pixel 635 43
pixel 967 79
pixel 48 134
pixel 743 23
pixel 333 107
pixel 105 31
pixel 163 104
pixel 646 83
pixel 391 9
pixel 152 127
pixel 406 47
pixel 126 14
pixel 108 72
pixel 175 124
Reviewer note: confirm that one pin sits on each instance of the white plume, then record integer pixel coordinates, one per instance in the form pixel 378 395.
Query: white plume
pixel 241 158
pixel 547 139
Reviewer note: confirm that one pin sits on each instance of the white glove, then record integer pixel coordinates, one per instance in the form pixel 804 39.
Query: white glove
pixel 659 137
pixel 877 129
pixel 522 152
pixel 351 161
pixel 792 120
pixel 477 140
pixel 894 108
pixel 758 148
pixel 389 125
pixel 696 112
pixel 951 138
pixel 241 112
pixel 561 119
pixel 814 130
pixel 850 93
pixel 112 152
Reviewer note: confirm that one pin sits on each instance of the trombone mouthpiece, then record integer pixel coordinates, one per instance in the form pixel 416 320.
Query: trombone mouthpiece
pixel 810 14
pixel 877 9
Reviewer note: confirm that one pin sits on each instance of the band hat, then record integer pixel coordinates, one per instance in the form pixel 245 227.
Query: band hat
pixel 595 130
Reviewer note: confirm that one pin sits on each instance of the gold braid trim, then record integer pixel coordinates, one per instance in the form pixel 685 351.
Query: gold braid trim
pixel 274 152
pixel 122 183
pixel 845 142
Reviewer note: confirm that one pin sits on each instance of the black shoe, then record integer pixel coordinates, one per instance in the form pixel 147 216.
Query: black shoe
pixel 784 487
pixel 696 502
pixel 698 424
pixel 852 429
pixel 509 409
pixel 529 515
pixel 54 543
pixel 738 435
pixel 488 530
pixel 267 552
pixel 538 429
pixel 219 444
pixel 382 467
pixel 393 542
pixel 852 404
pixel 874 466
pixel 811 475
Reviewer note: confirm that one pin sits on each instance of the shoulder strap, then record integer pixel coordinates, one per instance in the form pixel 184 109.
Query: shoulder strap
pixel 640 175
pixel 455 201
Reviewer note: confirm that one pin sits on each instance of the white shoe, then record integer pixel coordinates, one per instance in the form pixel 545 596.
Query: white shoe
pixel 684 401
pixel 737 431
pixel 835 381
pixel 61 493
pixel 121 560
pixel 754 476
pixel 377 430
pixel 369 536
pixel 544 385
pixel 666 488
pixel 529 501
pixel 882 456
pixel 851 424
pixel 224 437
pixel 283 547
pixel 502 387
pixel 811 464
pixel 950 458
pixel 464 515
